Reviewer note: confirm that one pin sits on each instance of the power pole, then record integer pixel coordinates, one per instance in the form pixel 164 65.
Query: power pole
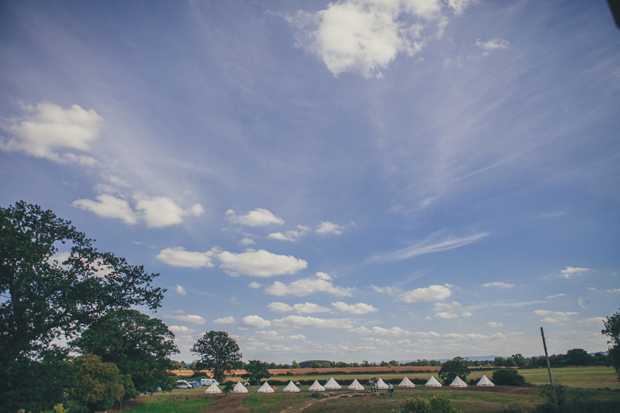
pixel 555 397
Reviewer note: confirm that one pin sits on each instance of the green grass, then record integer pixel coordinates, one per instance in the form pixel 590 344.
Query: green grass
pixel 589 377
pixel 172 402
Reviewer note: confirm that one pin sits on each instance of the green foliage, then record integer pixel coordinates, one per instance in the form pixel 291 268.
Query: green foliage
pixel 98 385
pixel 437 404
pixel 256 370
pixel 578 357
pixel 575 401
pixel 138 345
pixel 218 352
pixel 508 377
pixel 612 330
pixel 519 360
pixel 228 387
pixel 452 368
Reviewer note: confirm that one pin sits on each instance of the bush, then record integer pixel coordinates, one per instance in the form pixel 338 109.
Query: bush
pixel 508 378
pixel 437 404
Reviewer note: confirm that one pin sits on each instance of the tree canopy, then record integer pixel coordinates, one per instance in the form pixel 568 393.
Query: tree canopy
pixel 139 346
pixel 48 298
pixel 612 330
pixel 452 368
pixel 256 370
pixel 218 352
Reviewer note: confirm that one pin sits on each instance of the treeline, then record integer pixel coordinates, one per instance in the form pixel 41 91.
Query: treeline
pixel 574 357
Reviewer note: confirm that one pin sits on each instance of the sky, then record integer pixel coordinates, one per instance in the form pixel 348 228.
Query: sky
pixel 348 180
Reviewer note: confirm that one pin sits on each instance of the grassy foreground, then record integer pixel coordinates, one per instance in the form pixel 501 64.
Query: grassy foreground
pixel 596 382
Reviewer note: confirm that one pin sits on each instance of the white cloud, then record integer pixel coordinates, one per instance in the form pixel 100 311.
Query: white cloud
pixel 297 337
pixel 178 257
pixel 570 271
pixel 298 308
pixel 357 309
pixel 224 320
pixel 324 276
pixel 430 245
pixel 280 307
pixel 297 321
pixel 307 286
pixel 446 315
pixel 361 330
pixel 555 296
pixel 495 324
pixel 431 293
pixel 493 44
pixel 255 321
pixel 447 306
pixel 180 290
pixel 261 263
pixel 467 314
pixel 247 241
pixel 187 318
pixel 291 235
pixel 258 218
pixel 498 285
pixel 365 36
pixel 593 321
pixel 157 212
pixel 554 316
pixel 254 285
pixel 181 330
pixel 380 331
pixel 109 206
pixel 327 227
pixel 49 131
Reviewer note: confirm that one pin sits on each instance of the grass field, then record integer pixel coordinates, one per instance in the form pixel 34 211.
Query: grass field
pixel 593 380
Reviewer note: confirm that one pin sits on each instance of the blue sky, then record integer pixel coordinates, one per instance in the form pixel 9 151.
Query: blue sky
pixel 355 180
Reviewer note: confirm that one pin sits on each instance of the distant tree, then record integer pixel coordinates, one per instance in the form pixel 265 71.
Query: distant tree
pixel 256 370
pixel 518 360
pixel 139 346
pixel 578 357
pixel 218 352
pixel 383 363
pixel 612 330
pixel 294 365
pixel 99 385
pixel 452 368
pixel 508 377
pixel 365 363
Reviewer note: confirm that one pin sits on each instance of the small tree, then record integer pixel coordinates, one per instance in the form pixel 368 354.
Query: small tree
pixel 612 330
pixel 508 377
pixel 256 370
pixel 437 404
pixel 452 368
pixel 218 352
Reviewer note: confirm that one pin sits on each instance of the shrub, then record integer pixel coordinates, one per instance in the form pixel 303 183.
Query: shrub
pixel 508 377
pixel 437 404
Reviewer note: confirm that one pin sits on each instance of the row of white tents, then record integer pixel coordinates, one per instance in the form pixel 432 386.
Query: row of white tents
pixel 331 384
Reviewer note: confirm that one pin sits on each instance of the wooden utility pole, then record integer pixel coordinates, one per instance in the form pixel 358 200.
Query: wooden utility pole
pixel 555 398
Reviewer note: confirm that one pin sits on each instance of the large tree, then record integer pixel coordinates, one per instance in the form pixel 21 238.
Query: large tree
pixel 612 330
pixel 452 368
pixel 47 299
pixel 139 346
pixel 218 352
pixel 256 370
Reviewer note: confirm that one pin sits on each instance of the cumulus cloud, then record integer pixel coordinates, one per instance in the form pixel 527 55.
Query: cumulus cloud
pixel 380 331
pixel 261 263
pixel 255 321
pixel 258 218
pixel 431 293
pixel 180 290
pixel 554 316
pixel 571 271
pixel 327 227
pixel 434 243
pixel 296 321
pixel 51 132
pixel 493 44
pixel 498 285
pixel 187 318
pixel 356 309
pixel 224 320
pixel 297 337
pixel 446 315
pixel 593 321
pixel 247 241
pixel 291 235
pixel 254 285
pixel 495 324
pixel 181 330
pixel 306 286
pixel 156 212
pixel 447 306
pixel 178 257
pixel 365 36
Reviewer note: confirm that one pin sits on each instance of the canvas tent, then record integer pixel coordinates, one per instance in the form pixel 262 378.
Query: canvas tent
pixel 356 385
pixel 265 388
pixel 381 384
pixel 432 382
pixel 406 383
pixel 291 388
pixel 485 382
pixel 457 382
pixel 316 387
pixel 213 389
pixel 331 385
pixel 239 388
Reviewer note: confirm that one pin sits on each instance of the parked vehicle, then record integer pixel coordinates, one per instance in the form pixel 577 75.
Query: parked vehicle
pixel 182 384
pixel 195 384
pixel 208 382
